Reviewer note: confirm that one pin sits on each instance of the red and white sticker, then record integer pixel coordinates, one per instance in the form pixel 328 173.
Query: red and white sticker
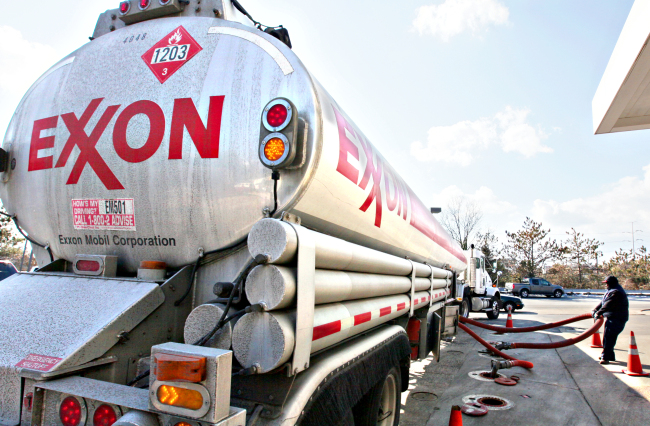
pixel 171 53
pixel 38 362
pixel 117 214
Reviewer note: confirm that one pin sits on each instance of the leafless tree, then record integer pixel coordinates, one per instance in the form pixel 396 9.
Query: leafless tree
pixel 461 219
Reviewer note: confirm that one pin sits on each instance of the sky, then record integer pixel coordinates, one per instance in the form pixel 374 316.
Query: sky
pixel 485 99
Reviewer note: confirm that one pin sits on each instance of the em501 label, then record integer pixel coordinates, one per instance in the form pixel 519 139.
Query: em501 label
pixel 117 214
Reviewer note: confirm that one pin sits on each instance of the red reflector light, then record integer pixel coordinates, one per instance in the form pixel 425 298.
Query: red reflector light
pixel 277 115
pixel 104 416
pixel 164 2
pixel 143 4
pixel 125 6
pixel 70 412
pixel 88 265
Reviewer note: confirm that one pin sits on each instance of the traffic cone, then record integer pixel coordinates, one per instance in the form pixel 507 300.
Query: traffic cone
pixel 509 320
pixel 456 417
pixel 595 340
pixel 634 367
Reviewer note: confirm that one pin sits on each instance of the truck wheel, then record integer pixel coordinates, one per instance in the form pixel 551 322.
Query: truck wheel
pixel 381 406
pixel 465 308
pixel 524 293
pixel 557 293
pixel 494 313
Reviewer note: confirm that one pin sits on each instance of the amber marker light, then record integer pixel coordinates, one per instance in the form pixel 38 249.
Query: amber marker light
pixel 180 397
pixel 180 368
pixel 274 149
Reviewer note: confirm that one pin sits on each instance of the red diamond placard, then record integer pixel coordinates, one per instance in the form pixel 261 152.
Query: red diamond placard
pixel 171 53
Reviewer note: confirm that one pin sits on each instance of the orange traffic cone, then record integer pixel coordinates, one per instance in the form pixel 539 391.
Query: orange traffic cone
pixel 634 367
pixel 509 320
pixel 595 340
pixel 456 417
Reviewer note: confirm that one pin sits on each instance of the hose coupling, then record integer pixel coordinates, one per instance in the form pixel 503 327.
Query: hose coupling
pixel 497 365
pixel 503 345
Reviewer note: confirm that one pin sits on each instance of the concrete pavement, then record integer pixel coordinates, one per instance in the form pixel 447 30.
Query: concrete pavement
pixel 566 387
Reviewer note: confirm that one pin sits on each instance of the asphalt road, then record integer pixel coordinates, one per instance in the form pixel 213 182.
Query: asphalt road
pixel 566 387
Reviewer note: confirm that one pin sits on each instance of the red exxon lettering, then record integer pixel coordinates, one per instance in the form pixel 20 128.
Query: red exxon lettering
pixel 156 118
pixel 87 145
pixel 346 146
pixel 374 170
pixel 185 116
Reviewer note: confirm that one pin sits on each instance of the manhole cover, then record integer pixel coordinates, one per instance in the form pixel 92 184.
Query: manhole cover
pixel 492 402
pixel 483 376
pixel 424 396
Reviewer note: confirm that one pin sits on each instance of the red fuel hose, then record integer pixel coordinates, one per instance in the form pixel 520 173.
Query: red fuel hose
pixel 516 362
pixel 526 329
pixel 594 328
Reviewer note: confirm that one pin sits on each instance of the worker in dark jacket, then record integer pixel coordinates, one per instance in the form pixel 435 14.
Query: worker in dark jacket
pixel 615 308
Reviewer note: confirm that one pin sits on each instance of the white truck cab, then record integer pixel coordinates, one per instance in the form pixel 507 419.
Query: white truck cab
pixel 475 286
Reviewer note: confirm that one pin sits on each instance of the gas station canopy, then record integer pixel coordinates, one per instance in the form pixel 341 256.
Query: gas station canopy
pixel 622 101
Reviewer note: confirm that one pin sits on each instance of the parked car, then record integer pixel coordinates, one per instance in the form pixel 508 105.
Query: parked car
pixel 7 269
pixel 535 286
pixel 513 301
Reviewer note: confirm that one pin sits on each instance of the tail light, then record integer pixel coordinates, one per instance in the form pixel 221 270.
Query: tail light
pixel 278 135
pixel 164 2
pixel 144 4
pixel 105 415
pixel 277 115
pixel 95 265
pixel 125 7
pixel 72 411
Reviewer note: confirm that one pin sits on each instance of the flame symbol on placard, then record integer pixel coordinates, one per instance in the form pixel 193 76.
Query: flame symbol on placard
pixel 176 37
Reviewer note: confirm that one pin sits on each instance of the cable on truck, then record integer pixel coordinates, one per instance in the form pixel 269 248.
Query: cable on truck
pixel 15 220
pixel 278 32
pixel 207 258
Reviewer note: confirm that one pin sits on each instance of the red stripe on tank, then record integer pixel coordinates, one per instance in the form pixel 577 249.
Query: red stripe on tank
pixel 326 330
pixel 385 311
pixel 361 318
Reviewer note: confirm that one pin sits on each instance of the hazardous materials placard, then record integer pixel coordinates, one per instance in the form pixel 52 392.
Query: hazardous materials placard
pixel 116 214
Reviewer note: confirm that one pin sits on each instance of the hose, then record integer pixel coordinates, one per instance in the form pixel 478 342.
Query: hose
pixel 525 329
pixel 567 342
pixel 517 362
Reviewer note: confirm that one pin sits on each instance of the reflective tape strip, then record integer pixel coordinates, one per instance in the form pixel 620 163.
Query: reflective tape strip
pixel 633 352
pixel 262 43
pixel 632 341
pixel 337 326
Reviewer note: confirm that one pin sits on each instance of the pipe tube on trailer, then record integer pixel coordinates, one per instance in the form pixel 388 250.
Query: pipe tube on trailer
pixel 278 239
pixel 524 329
pixel 274 286
pixel 267 339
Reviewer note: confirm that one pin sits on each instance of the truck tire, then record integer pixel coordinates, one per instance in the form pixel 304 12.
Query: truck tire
pixel 465 307
pixel 524 293
pixel 558 293
pixel 494 312
pixel 382 405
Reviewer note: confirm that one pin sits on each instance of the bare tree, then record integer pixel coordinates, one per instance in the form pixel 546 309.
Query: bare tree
pixel 461 219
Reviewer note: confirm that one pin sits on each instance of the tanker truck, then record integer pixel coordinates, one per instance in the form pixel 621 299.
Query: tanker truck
pixel 218 243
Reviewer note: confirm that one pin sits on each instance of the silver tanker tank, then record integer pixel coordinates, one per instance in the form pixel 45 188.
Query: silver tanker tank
pixel 145 144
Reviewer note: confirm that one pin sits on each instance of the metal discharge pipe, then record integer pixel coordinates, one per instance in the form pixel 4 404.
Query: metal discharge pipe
pixel 279 240
pixel 275 286
pixel 267 339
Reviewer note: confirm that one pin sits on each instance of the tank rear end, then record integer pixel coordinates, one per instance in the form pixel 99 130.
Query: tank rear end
pixel 144 142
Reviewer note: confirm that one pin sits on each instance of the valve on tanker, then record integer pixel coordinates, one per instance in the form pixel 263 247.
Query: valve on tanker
pixel 278 135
